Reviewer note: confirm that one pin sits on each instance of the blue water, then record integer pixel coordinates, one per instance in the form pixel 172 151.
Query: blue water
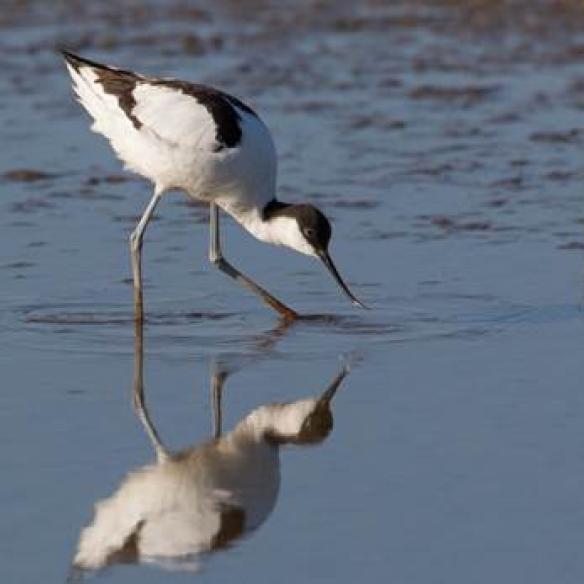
pixel 455 190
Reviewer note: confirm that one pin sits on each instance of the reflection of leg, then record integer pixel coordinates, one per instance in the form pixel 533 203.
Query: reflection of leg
pixel 218 377
pixel 138 396
pixel 216 257
pixel 269 339
pixel 136 253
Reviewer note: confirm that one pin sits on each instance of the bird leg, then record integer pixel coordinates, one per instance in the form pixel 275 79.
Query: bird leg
pixel 218 376
pixel 138 396
pixel 216 258
pixel 136 254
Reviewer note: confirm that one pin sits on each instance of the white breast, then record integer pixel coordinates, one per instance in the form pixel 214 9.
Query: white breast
pixel 244 180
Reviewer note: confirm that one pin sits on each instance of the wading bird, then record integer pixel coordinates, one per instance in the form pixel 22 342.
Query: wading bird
pixel 211 145
pixel 202 499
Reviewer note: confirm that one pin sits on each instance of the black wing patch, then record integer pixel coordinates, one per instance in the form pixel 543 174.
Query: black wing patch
pixel 114 81
pixel 231 526
pixel 221 107
pixel 129 551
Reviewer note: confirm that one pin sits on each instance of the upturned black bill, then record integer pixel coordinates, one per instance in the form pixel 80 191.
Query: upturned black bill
pixel 328 262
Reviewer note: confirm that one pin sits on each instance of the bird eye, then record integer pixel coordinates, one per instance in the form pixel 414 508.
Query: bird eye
pixel 309 232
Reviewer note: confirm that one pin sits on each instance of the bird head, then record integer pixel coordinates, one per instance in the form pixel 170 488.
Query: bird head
pixel 307 421
pixel 305 229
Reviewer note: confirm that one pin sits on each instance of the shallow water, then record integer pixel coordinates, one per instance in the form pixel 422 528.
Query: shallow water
pixel 447 149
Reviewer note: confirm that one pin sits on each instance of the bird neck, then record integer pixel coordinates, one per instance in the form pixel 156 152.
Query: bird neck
pixel 274 208
pixel 269 224
pixel 284 420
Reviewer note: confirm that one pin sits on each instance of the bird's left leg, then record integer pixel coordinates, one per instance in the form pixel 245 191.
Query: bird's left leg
pixel 136 252
pixel 138 396
pixel 216 257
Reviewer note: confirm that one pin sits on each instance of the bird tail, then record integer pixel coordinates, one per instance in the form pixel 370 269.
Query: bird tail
pixel 105 92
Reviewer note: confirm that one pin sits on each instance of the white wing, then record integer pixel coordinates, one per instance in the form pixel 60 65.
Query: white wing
pixel 155 129
pixel 174 117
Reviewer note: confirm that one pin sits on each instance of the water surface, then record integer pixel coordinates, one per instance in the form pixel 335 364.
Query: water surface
pixel 445 143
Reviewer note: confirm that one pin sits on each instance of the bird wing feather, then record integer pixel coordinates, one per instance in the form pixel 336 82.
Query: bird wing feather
pixel 174 117
pixel 155 130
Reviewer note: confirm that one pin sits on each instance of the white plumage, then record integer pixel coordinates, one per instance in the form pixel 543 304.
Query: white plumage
pixel 176 144
pixel 211 145
pixel 203 498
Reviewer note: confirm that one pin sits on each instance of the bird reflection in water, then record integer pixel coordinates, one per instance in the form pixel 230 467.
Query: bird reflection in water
pixel 203 498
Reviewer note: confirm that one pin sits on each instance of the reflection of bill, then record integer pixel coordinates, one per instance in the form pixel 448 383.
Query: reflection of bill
pixel 202 498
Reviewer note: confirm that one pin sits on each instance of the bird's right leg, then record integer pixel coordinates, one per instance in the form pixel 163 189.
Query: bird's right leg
pixel 138 396
pixel 136 253
pixel 216 257
pixel 218 376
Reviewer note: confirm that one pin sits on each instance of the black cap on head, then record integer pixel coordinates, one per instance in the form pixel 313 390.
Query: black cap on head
pixel 316 230
pixel 314 226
